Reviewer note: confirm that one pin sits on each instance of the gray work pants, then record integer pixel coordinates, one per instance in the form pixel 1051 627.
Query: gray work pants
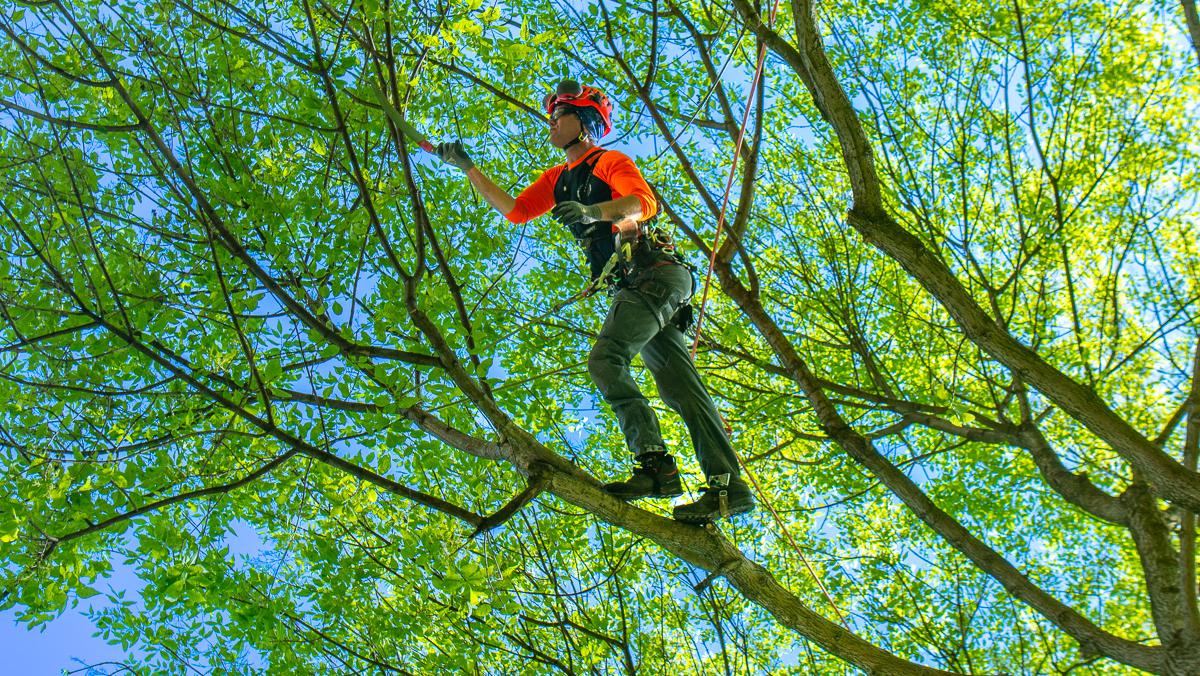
pixel 639 321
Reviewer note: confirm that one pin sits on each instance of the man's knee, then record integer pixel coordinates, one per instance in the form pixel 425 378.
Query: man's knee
pixel 605 361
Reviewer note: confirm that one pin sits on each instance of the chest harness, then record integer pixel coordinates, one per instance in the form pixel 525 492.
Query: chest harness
pixel 615 256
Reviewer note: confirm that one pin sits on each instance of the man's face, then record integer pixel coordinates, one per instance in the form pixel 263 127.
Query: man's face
pixel 564 126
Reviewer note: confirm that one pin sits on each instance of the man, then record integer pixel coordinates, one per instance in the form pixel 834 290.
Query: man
pixel 595 194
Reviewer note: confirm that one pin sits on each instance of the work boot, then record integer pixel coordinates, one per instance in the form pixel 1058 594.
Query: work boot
pixel 655 476
pixel 721 499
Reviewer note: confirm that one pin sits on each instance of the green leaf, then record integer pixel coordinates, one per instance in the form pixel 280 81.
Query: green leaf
pixel 85 592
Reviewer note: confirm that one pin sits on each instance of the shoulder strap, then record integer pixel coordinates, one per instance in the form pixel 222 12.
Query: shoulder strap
pixel 595 157
pixel 591 159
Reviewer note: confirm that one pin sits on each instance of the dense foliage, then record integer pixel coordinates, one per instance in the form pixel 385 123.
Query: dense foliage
pixel 268 359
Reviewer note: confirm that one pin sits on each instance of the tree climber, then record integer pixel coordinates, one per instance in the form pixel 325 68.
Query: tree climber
pixel 602 198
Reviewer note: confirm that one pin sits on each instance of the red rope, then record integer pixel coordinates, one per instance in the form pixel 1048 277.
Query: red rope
pixel 712 261
pixel 737 152
pixel 779 522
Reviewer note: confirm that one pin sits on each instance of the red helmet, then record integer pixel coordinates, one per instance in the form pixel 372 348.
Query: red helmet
pixel 571 93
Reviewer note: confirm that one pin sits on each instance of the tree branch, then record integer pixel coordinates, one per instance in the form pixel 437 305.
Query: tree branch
pixel 1168 477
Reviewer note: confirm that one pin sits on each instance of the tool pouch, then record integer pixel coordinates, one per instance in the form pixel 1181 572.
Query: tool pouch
pixel 684 317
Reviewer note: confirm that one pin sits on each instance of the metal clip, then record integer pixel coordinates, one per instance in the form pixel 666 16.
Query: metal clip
pixel 625 237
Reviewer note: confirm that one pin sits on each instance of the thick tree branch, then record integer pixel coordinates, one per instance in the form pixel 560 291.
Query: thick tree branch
pixel 1193 24
pixel 954 533
pixel 1160 562
pixel 1075 488
pixel 535 487
pixel 1187 533
pixel 1168 477
pixel 707 549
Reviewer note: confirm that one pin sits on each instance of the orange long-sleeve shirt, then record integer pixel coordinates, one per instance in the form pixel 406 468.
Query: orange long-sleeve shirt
pixel 613 167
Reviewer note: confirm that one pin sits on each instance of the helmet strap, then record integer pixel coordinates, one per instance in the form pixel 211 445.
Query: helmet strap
pixel 583 136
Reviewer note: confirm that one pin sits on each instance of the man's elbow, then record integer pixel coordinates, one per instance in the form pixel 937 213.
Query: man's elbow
pixel 647 206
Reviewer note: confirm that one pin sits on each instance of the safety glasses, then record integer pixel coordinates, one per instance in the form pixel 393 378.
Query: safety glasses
pixel 560 112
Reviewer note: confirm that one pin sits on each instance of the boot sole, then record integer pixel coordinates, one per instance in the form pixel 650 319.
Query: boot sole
pixel 632 498
pixel 702 519
pixel 669 489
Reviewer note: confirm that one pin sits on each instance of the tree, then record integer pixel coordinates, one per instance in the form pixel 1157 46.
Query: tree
pixel 952 326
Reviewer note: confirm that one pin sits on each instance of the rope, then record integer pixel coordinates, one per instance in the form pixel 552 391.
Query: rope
pixel 787 534
pixel 712 261
pixel 737 151
pixel 699 106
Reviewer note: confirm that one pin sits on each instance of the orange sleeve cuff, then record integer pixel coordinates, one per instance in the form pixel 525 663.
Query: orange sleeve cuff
pixel 622 175
pixel 537 199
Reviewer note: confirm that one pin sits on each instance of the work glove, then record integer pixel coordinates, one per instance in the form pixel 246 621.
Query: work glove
pixel 570 213
pixel 455 155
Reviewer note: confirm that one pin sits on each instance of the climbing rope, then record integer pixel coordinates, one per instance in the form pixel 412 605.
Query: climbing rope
pixel 737 151
pixel 788 534
pixel 712 261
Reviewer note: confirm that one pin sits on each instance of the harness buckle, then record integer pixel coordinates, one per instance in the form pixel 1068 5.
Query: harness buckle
pixel 626 235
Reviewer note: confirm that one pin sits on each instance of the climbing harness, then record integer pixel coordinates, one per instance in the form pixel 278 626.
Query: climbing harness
pixel 616 273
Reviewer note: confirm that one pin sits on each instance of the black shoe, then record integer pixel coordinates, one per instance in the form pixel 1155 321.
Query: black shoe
pixel 720 500
pixel 655 476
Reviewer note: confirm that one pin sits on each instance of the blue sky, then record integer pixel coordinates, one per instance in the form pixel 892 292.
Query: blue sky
pixel 53 647
pixel 67 642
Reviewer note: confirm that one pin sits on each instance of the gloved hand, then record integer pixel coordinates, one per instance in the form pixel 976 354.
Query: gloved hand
pixel 569 213
pixel 455 155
